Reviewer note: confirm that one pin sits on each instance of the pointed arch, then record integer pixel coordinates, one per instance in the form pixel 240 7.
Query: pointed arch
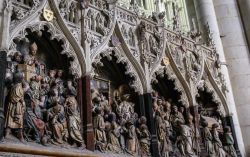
pixel 76 67
pixel 170 74
pixel 121 58
pixel 176 75
pixel 211 86
pixel 123 47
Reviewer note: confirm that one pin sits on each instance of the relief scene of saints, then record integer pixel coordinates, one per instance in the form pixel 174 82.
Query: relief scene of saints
pixel 40 103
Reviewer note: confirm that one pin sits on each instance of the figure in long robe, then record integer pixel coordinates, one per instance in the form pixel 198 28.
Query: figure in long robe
pixel 229 142
pixel 218 147
pixel 207 138
pixel 16 107
pixel 73 117
pixel 99 130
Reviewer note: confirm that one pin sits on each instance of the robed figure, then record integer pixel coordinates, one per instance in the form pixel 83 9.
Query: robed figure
pixel 16 107
pixel 73 116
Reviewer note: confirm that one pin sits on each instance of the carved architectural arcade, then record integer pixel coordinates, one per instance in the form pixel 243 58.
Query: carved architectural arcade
pixel 153 89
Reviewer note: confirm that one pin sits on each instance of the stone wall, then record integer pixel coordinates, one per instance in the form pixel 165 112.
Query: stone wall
pixel 237 60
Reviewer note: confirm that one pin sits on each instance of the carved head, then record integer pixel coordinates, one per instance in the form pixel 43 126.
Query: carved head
pixel 72 92
pixel 33 49
pixel 54 92
pixel 215 126
pixel 112 117
pixel 96 99
pixel 204 123
pixel 59 73
pixel 103 98
pixel 143 120
pixel 227 129
pixel 175 109
pixel 38 78
pixel 69 83
pixel 18 77
pixel 182 109
pixel 190 119
pixel 144 127
pixel 98 110
pixel 18 57
pixel 159 102
pixel 179 122
pixel 52 73
pixel 125 97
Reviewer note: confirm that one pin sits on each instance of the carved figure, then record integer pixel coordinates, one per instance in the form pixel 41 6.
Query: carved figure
pixel 30 59
pixel 131 138
pixel 218 147
pixel 229 142
pixel 125 109
pixel 161 134
pixel 195 134
pixel 17 59
pixel 176 115
pixel 57 121
pixel 184 140
pixel 113 135
pixel 144 138
pixel 207 138
pixel 99 130
pixel 16 107
pixel 51 78
pixel 73 115
pixel 131 37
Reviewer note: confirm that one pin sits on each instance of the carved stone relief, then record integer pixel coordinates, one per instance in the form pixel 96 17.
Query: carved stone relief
pixel 40 104
pixel 144 38
pixel 22 9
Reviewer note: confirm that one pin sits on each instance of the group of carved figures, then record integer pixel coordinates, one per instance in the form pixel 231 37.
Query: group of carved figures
pixel 179 136
pixel 117 127
pixel 44 108
pixel 40 107
pixel 70 12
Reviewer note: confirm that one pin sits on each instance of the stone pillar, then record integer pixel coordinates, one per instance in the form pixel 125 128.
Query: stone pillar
pixel 206 15
pixel 244 6
pixel 140 107
pixel 151 124
pixel 3 66
pixel 87 113
pixel 237 56
pixel 194 112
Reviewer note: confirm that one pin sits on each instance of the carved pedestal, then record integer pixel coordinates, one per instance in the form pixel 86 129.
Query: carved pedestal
pixel 151 124
pixel 3 63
